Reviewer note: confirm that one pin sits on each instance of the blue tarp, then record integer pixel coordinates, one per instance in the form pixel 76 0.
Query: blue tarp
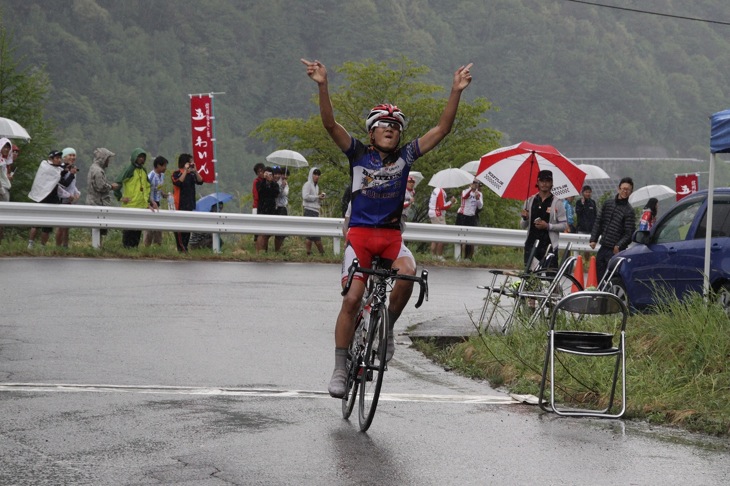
pixel 720 132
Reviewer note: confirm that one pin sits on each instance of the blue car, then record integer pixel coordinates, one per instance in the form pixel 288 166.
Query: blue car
pixel 670 259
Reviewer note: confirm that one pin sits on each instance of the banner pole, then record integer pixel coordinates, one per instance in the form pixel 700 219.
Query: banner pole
pixel 215 160
pixel 216 236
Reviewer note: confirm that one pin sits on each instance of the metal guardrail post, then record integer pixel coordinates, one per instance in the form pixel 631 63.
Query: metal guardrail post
pixel 95 238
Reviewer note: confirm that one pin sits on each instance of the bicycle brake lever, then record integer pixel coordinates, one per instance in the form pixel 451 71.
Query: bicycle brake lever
pixel 423 284
pixel 350 274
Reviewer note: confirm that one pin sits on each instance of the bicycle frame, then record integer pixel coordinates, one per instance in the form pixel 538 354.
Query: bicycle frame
pixel 366 357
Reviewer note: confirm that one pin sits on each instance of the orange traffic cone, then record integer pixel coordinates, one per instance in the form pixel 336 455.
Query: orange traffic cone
pixel 578 274
pixel 592 274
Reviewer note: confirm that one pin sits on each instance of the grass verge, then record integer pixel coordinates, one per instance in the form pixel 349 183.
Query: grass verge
pixel 676 367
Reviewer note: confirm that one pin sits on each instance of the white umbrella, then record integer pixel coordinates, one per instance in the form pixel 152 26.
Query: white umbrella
pixel 471 167
pixel 449 178
pixel 640 196
pixel 288 158
pixel 593 172
pixel 417 176
pixel 12 129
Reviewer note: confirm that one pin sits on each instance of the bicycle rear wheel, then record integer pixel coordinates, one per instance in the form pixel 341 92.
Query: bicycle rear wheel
pixel 373 366
pixel 354 362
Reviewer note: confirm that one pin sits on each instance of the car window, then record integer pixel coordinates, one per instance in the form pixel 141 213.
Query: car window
pixel 676 225
pixel 720 220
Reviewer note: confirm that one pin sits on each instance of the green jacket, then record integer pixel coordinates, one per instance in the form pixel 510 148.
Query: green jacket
pixel 134 184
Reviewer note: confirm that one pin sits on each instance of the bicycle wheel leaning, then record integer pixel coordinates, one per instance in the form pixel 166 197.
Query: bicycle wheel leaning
pixel 353 366
pixel 373 365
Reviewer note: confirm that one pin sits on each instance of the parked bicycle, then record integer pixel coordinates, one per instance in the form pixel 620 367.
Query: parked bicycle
pixel 366 361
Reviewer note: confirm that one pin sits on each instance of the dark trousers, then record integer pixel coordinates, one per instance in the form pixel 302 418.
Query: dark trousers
pixel 603 255
pixel 464 220
pixel 130 238
pixel 182 240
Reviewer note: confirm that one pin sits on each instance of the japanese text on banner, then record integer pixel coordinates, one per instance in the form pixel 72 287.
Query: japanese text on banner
pixel 686 184
pixel 202 130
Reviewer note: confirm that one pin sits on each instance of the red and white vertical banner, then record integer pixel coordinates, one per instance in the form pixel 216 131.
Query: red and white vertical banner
pixel 202 129
pixel 686 184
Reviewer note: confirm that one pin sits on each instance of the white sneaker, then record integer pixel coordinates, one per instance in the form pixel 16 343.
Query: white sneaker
pixel 337 383
pixel 31 244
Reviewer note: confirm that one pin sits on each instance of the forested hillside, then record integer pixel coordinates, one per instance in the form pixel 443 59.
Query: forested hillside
pixel 592 81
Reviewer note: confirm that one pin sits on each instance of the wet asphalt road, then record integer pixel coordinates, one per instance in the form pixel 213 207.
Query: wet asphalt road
pixel 147 372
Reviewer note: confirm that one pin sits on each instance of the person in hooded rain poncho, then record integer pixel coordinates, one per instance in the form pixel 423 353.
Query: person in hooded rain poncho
pixel 134 192
pixel 99 188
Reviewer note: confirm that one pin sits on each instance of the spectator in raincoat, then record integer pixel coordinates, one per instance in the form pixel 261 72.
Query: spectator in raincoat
pixel 134 192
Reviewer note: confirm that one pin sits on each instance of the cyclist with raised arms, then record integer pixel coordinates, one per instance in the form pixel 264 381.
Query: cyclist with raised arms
pixel 379 173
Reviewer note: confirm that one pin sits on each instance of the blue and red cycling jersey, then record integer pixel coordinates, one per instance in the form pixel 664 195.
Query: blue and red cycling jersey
pixel 379 185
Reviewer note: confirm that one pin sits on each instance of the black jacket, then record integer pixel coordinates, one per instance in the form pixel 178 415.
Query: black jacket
pixel 586 212
pixel 268 191
pixel 615 224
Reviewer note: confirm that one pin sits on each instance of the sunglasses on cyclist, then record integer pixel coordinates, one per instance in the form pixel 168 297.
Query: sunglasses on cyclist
pixel 386 124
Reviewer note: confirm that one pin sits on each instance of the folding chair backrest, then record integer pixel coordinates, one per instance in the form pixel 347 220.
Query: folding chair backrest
pixel 549 255
pixel 592 303
pixel 566 253
pixel 612 270
pixel 531 256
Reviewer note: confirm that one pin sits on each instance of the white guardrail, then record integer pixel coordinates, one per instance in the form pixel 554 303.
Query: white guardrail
pixel 105 217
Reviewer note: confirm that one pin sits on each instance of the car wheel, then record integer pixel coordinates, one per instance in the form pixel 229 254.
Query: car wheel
pixel 619 289
pixel 723 297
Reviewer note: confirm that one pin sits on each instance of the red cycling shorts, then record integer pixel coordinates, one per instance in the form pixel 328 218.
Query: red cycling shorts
pixel 366 243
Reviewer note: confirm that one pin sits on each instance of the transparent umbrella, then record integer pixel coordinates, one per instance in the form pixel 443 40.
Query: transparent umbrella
pixel 12 129
pixel 640 196
pixel 471 167
pixel 593 172
pixel 449 178
pixel 288 158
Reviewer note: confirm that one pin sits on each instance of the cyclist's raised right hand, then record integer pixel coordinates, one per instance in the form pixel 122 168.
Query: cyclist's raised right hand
pixel 316 70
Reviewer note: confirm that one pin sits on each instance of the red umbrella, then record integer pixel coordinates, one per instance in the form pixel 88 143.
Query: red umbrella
pixel 511 172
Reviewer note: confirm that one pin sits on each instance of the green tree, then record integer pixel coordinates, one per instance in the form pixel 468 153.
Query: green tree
pixel 23 94
pixel 369 83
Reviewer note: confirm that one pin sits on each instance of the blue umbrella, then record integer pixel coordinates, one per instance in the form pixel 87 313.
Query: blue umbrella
pixel 205 203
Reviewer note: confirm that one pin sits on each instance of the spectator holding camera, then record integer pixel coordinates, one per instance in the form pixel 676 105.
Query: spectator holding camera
pixel 268 190
pixel 184 180
pixel 70 194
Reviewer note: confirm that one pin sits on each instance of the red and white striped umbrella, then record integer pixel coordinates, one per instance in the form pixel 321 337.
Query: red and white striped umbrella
pixel 511 172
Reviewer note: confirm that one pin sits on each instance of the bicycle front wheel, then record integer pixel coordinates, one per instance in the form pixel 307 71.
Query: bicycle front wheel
pixel 354 367
pixel 373 365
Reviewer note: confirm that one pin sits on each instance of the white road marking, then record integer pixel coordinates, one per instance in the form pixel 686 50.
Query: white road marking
pixel 245 392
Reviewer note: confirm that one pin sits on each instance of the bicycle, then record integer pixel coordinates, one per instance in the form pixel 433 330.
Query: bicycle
pixel 366 356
